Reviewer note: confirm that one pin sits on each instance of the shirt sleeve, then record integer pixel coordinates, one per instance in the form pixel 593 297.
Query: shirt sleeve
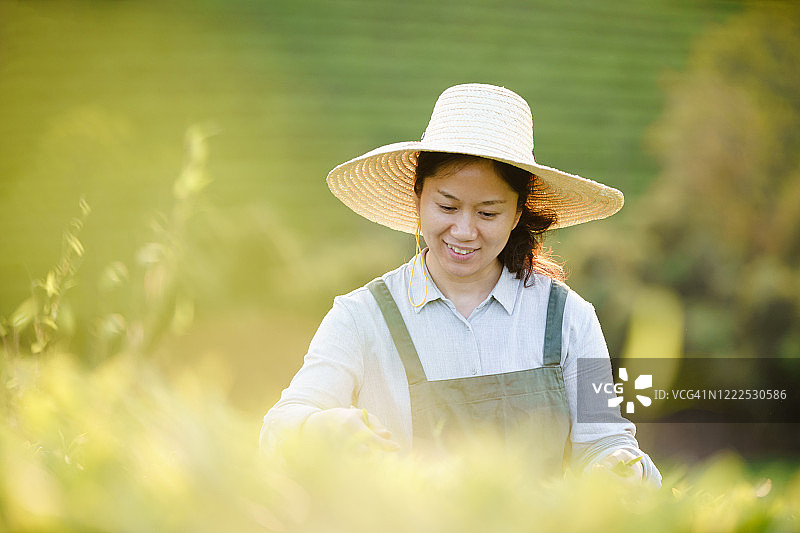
pixel 594 441
pixel 331 375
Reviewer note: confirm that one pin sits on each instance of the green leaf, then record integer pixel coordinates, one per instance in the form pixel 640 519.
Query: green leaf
pixel 50 284
pixel 190 183
pixel 113 275
pixel 24 313
pixel 113 325
pixel 624 468
pixel 74 243
pixel 84 205
pixel 634 460
pixel 12 383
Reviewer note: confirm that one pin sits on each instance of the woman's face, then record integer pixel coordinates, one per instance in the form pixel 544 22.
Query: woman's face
pixel 467 214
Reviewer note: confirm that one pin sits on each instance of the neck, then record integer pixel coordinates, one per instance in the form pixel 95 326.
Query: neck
pixel 466 293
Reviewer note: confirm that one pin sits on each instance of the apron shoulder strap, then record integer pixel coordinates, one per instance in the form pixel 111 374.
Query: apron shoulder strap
pixel 397 328
pixel 555 318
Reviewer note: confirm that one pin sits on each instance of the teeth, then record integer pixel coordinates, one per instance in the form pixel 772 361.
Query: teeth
pixel 459 251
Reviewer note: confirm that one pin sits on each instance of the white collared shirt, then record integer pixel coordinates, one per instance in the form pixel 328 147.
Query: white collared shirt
pixel 352 359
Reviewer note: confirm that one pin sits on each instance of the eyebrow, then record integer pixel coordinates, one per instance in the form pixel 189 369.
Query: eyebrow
pixel 452 197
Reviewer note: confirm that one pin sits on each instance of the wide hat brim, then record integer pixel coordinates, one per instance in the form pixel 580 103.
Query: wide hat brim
pixel 379 185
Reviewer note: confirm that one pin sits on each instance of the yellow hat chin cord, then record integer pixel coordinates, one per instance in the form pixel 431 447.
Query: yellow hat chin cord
pixel 417 253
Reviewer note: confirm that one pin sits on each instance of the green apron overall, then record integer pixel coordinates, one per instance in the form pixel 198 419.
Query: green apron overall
pixel 526 407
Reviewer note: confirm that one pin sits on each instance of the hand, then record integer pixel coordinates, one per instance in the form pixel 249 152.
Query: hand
pixel 351 426
pixel 622 463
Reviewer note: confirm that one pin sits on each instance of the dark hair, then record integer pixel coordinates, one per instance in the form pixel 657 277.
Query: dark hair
pixel 524 253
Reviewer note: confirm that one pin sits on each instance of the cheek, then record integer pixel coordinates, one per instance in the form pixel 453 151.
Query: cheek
pixel 503 232
pixel 428 211
pixel 435 226
pixel 430 222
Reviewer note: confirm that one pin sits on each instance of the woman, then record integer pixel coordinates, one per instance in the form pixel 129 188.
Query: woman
pixel 477 330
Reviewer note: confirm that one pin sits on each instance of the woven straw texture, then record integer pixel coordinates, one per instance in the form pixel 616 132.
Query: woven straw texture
pixel 475 119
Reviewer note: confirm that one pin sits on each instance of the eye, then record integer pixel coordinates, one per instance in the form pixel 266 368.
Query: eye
pixel 486 214
pixel 446 208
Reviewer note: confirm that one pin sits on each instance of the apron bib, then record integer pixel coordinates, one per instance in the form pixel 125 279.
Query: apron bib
pixel 526 407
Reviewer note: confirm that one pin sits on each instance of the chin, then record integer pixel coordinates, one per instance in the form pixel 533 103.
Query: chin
pixel 460 270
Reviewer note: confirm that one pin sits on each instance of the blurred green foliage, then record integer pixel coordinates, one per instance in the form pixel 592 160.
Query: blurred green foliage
pixel 722 217
pixel 709 267
pixel 42 313
pixel 125 383
pixel 118 448
pixel 719 225
pixel 95 98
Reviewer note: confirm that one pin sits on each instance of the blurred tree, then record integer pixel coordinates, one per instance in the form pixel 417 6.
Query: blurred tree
pixel 720 225
pixel 722 215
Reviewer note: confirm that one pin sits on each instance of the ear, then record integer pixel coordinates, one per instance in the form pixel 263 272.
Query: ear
pixel 516 219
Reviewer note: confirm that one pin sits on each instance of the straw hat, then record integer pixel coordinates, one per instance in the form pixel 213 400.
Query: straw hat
pixel 476 119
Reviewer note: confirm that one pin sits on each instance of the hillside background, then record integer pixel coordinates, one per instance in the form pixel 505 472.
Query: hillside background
pixel 690 108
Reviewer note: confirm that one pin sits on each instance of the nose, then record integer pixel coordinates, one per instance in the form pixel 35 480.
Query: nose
pixel 464 228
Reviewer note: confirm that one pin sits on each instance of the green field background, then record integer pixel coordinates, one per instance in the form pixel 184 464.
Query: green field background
pixel 96 98
pixel 168 246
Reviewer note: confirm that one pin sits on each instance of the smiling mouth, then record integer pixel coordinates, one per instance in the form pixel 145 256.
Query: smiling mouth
pixel 460 251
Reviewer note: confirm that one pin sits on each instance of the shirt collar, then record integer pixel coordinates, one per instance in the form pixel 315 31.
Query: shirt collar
pixel 505 291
